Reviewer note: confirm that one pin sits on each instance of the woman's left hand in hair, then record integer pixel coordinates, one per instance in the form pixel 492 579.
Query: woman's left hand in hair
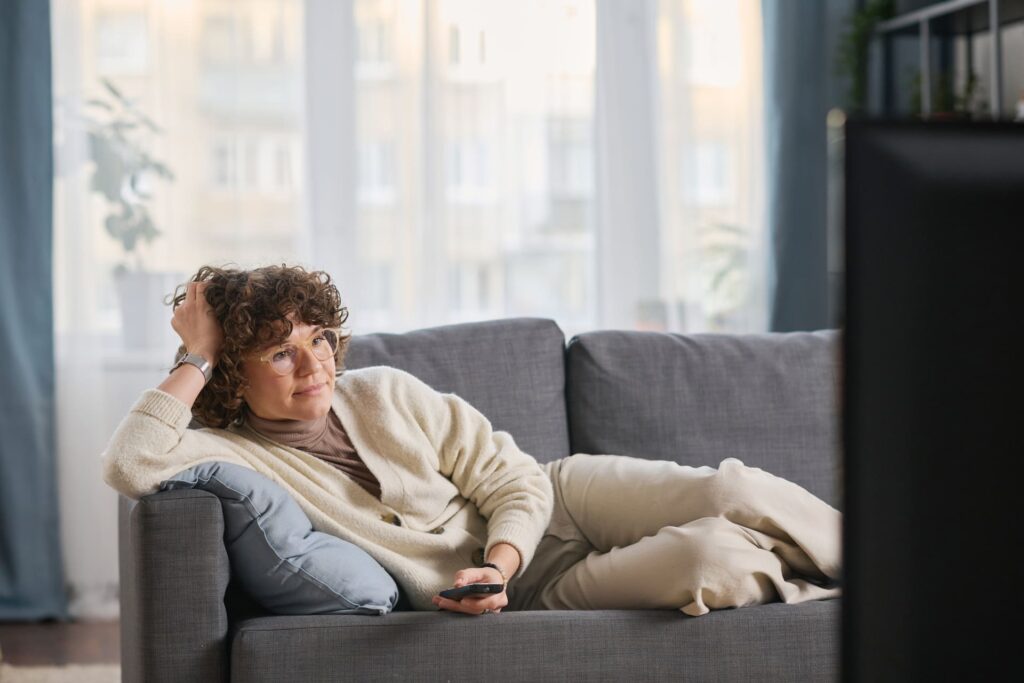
pixel 475 604
pixel 196 323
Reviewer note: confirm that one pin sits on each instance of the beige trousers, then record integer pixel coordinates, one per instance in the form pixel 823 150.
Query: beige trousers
pixel 628 533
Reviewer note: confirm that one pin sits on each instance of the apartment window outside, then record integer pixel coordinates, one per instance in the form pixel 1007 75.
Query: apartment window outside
pixel 706 175
pixel 375 36
pixel 454 48
pixel 219 39
pixel 471 160
pixel 121 45
pixel 711 112
pixel 252 153
pixel 283 165
pixel 470 172
pixel 570 148
pixel 225 164
pixel 377 172
pixel 470 290
pixel 512 152
pixel 380 277
pixel 711 48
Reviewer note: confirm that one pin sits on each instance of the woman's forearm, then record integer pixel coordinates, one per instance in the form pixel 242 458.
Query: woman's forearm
pixel 147 446
pixel 506 557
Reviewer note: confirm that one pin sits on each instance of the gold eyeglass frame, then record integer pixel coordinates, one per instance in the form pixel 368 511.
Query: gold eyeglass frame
pixel 300 346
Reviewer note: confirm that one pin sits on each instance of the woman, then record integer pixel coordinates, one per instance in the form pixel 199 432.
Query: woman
pixel 421 481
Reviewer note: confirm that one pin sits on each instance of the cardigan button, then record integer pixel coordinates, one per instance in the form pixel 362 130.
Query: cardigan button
pixel 478 556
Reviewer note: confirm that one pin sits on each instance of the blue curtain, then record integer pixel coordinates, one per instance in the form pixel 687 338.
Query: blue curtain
pixel 800 38
pixel 31 571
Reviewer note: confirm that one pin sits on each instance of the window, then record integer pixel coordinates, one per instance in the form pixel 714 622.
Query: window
pixel 379 278
pixel 711 111
pixel 252 153
pixel 470 290
pixel 225 164
pixel 570 150
pixel 711 48
pixel 122 47
pixel 454 49
pixel 283 164
pixel 706 173
pixel 468 43
pixel 374 35
pixel 376 172
pixel 219 38
pixel 470 172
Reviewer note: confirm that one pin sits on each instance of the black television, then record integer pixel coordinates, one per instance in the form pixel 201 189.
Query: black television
pixel 933 414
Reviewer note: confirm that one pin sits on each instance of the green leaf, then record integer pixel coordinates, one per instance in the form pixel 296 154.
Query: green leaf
pixel 149 123
pixel 110 168
pixel 147 230
pixel 113 90
pixel 851 60
pixel 162 170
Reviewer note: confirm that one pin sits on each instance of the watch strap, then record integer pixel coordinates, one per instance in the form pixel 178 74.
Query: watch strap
pixel 199 361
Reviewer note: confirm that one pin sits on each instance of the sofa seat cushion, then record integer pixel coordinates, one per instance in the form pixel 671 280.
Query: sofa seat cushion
pixel 770 400
pixel 277 557
pixel 767 642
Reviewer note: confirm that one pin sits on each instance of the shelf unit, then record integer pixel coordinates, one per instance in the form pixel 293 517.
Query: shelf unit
pixel 952 17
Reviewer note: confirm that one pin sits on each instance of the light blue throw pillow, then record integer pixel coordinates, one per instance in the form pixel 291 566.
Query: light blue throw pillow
pixel 278 558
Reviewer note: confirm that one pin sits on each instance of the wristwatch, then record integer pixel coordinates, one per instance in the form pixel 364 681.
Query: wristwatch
pixel 198 361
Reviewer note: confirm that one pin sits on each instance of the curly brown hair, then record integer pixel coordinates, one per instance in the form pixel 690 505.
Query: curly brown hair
pixel 253 308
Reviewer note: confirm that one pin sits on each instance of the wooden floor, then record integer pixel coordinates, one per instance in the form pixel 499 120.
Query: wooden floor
pixel 55 643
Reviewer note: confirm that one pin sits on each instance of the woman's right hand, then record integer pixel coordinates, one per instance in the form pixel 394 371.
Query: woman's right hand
pixel 196 324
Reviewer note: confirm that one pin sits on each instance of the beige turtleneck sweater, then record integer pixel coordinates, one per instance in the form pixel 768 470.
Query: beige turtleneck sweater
pixel 451 486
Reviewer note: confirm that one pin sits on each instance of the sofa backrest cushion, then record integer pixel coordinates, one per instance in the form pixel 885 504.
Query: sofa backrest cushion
pixel 770 400
pixel 277 557
pixel 512 371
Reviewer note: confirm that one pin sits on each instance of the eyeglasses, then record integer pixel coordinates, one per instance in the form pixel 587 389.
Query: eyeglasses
pixel 284 359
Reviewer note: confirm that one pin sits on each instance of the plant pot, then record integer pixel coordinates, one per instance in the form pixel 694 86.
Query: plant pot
pixel 145 318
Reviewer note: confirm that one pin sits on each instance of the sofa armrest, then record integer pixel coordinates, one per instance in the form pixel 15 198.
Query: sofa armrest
pixel 174 574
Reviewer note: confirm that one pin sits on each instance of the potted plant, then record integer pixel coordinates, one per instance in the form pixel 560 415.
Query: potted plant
pixel 947 105
pixel 726 257
pixel 852 51
pixel 125 174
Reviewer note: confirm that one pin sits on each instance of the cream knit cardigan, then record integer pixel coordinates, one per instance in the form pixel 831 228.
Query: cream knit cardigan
pixel 450 485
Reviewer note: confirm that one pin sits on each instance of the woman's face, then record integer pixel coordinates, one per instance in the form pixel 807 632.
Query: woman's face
pixel 302 394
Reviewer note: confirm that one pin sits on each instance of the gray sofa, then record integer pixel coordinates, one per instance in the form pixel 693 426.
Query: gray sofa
pixel 770 400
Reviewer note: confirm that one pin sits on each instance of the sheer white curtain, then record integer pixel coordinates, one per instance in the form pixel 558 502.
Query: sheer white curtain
pixel 711 171
pixel 466 128
pixel 591 161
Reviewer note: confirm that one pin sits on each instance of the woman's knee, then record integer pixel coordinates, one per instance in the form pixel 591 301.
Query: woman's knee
pixel 704 542
pixel 736 486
